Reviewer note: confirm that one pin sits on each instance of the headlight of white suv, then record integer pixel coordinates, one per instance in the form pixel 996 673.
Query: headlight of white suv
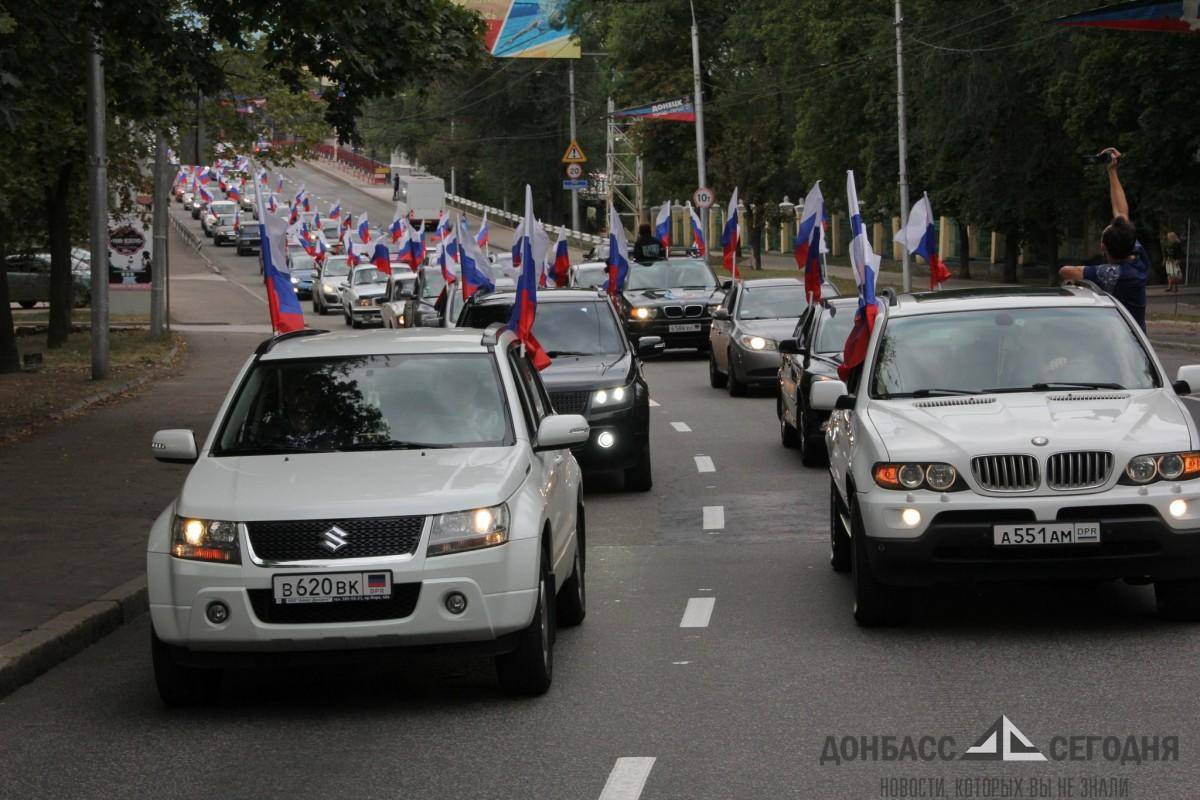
pixel 612 398
pixel 935 476
pixel 1161 467
pixel 460 531
pixel 205 540
pixel 757 342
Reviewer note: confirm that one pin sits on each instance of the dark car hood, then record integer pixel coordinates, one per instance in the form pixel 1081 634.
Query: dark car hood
pixel 672 297
pixel 587 372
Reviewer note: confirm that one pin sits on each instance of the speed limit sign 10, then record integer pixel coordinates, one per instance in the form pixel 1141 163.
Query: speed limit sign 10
pixel 703 197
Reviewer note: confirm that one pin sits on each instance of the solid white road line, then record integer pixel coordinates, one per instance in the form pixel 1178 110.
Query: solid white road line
pixel 654 403
pixel 714 518
pixel 705 464
pixel 698 612
pixel 682 427
pixel 1190 398
pixel 628 778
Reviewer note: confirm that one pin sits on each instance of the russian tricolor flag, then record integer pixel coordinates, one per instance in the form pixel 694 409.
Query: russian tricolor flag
pixel 398 228
pixel 697 232
pixel 234 194
pixel 272 206
pixel 205 196
pixel 447 255
pixel 920 238
pixel 662 227
pixel 809 238
pixel 730 238
pixel 866 266
pixel 474 264
pixel 336 211
pixel 562 259
pixel 364 230
pixel 484 235
pixel 443 226
pixel 380 257
pixel 618 254
pixel 524 310
pixel 286 314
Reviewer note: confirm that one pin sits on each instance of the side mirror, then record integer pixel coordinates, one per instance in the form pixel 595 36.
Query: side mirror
pixel 726 285
pixel 1187 377
pixel 559 431
pixel 651 346
pixel 826 395
pixel 174 446
pixel 721 314
pixel 792 347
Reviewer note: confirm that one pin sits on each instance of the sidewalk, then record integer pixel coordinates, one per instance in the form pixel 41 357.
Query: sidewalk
pixel 81 497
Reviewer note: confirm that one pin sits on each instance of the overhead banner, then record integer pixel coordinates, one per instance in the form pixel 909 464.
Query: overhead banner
pixel 678 110
pixel 1180 16
pixel 526 28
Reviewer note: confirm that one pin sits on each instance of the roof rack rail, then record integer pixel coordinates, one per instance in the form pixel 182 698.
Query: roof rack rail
pixel 890 294
pixel 492 333
pixel 1085 283
pixel 266 346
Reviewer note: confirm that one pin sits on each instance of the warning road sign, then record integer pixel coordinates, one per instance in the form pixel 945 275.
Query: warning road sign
pixel 574 154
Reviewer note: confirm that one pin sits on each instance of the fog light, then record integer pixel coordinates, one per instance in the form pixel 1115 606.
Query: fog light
pixel 910 517
pixel 1178 508
pixel 217 612
pixel 606 439
pixel 456 602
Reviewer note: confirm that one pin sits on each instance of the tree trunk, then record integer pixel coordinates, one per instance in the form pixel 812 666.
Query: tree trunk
pixel 756 236
pixel 964 251
pixel 1012 251
pixel 10 359
pixel 1050 242
pixel 61 281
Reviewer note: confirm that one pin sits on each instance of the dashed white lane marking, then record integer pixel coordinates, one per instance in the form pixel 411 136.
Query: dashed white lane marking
pixel 705 464
pixel 698 612
pixel 628 778
pixel 682 427
pixel 714 518
pixel 654 403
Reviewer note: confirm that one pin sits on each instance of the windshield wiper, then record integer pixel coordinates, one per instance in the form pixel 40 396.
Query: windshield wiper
pixel 942 392
pixel 393 445
pixel 1045 387
pixel 267 449
pixel 557 353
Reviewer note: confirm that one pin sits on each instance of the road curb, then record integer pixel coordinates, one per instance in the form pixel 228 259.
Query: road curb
pixel 100 397
pixel 1175 345
pixel 53 642
pixel 189 239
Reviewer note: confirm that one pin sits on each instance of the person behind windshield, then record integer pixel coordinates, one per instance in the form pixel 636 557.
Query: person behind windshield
pixel 1125 274
pixel 646 247
pixel 299 423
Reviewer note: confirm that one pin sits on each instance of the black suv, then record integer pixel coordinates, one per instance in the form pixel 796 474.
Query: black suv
pixel 672 299
pixel 595 372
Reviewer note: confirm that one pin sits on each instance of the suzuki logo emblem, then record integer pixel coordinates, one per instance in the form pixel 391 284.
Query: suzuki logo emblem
pixel 334 539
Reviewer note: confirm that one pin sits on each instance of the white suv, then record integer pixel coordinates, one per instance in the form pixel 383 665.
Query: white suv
pixel 1012 434
pixel 371 490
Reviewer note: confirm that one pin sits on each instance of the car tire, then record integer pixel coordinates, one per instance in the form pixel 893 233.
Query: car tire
pixel 181 686
pixel 716 379
pixel 529 669
pixel 640 477
pixel 787 431
pixel 875 604
pixel 812 445
pixel 346 317
pixel 27 304
pixel 735 386
pixel 840 556
pixel 572 597
pixel 1178 601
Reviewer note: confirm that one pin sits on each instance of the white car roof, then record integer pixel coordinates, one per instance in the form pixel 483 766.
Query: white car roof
pixel 383 341
pixel 999 297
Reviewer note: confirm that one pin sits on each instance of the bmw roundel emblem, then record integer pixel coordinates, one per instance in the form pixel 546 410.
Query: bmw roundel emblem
pixel 1040 441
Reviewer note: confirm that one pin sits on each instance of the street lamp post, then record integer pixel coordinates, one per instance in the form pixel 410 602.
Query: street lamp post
pixel 906 276
pixel 698 102
pixel 98 199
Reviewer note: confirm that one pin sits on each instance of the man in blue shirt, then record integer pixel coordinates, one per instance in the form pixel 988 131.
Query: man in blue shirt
pixel 1127 269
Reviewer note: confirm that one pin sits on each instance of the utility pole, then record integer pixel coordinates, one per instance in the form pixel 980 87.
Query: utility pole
pixel 698 102
pixel 98 189
pixel 906 275
pixel 453 188
pixel 571 91
pixel 158 277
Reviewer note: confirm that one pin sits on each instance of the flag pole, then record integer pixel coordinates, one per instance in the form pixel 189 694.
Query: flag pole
pixel 902 126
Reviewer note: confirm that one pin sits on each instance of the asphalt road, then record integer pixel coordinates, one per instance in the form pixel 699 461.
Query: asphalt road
pixel 738 704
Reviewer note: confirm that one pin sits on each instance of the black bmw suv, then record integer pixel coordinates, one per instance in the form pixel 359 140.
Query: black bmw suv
pixel 672 299
pixel 595 372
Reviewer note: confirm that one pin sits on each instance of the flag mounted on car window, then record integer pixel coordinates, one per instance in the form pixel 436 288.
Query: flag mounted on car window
pixel 866 266
pixel 807 246
pixel 524 310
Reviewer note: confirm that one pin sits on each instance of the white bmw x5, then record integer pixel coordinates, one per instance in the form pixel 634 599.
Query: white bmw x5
pixel 372 490
pixel 1012 434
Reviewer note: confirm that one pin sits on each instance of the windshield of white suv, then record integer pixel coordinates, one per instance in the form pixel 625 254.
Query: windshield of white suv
pixel 674 274
pixel 772 302
pixel 1012 350
pixel 563 328
pixel 335 266
pixel 381 402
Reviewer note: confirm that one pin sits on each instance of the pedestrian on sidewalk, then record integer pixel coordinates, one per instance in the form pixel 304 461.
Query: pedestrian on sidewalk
pixel 395 187
pixel 1173 260
pixel 1127 266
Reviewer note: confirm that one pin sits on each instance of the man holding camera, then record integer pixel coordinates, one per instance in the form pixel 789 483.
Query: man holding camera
pixel 1127 269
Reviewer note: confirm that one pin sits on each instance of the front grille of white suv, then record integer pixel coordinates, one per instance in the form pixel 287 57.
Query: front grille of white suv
pixel 1013 473
pixel 1078 470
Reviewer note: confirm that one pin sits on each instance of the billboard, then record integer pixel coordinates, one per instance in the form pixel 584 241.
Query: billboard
pixel 678 110
pixel 526 28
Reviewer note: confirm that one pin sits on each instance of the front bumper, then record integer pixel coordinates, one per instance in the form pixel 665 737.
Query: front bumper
pixel 630 431
pixel 755 366
pixel 500 584
pixel 661 326
pixel 367 313
pixel 1139 539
